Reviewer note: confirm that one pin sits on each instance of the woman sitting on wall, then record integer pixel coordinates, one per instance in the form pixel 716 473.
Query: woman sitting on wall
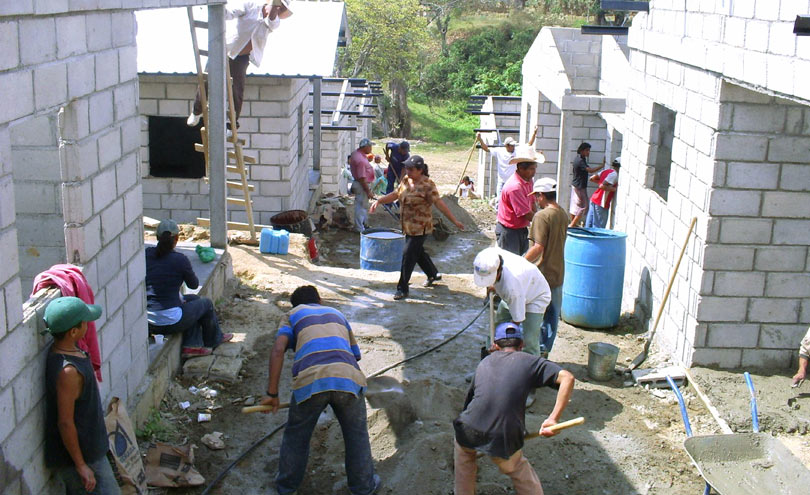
pixel 170 312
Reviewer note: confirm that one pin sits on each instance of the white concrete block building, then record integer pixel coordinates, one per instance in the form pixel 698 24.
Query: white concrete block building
pixel 294 160
pixel 706 103
pixel 70 192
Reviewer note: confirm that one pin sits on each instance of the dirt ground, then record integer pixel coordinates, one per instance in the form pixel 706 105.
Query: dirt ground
pixel 631 442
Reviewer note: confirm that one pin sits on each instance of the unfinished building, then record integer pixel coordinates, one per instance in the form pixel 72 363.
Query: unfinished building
pixel 706 106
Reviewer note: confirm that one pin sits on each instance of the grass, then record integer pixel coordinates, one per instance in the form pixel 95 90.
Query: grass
pixel 156 428
pixel 442 124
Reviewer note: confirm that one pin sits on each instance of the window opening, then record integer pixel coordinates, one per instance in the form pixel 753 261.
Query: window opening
pixel 663 135
pixel 171 149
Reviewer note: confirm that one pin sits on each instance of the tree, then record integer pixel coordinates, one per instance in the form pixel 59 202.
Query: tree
pixel 439 13
pixel 386 37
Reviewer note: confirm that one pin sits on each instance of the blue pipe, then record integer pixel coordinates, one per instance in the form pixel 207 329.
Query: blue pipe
pixel 754 413
pixel 708 489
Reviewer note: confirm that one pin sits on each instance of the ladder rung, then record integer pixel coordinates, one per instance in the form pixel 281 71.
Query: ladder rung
pixel 201 24
pixel 238 185
pixel 204 53
pixel 237 201
pixel 205 222
pixel 231 154
pixel 233 169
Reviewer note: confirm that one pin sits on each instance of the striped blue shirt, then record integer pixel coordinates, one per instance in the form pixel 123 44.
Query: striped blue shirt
pixel 326 353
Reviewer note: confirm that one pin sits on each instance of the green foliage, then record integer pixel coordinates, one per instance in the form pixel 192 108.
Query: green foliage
pixel 442 122
pixel 571 7
pixel 488 61
pixel 156 428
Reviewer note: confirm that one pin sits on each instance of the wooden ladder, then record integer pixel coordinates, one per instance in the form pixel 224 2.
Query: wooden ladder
pixel 239 159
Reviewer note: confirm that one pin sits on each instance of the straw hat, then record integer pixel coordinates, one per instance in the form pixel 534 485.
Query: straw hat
pixel 526 153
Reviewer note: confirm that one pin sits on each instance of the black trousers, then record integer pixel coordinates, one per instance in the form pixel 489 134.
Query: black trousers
pixel 414 253
pixel 238 66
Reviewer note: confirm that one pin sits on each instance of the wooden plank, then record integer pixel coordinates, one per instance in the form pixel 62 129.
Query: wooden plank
pixel 339 106
pixel 205 222
pixel 238 185
pixel 247 159
pixel 236 201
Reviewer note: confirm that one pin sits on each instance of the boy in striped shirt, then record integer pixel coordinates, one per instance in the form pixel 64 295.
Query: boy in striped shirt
pixel 325 372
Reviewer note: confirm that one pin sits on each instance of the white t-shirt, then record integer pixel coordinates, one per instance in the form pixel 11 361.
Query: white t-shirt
pixel 502 158
pixel 245 23
pixel 465 189
pixel 522 286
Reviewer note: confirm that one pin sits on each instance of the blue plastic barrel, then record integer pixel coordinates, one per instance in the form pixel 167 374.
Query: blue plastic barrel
pixel 265 241
pixel 381 250
pixel 594 277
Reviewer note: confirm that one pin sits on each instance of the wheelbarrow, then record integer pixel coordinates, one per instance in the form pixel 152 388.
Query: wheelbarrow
pixel 743 463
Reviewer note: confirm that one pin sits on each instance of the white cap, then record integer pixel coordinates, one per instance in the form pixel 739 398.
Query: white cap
pixel 509 141
pixel 486 266
pixel 544 185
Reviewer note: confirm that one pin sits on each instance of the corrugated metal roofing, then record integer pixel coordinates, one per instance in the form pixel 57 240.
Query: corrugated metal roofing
pixel 304 45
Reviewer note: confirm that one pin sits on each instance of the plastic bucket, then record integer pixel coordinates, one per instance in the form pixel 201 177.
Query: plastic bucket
pixel 594 277
pixel 602 360
pixel 295 221
pixel 381 250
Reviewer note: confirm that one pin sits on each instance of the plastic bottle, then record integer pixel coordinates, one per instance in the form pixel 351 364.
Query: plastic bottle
pixel 283 242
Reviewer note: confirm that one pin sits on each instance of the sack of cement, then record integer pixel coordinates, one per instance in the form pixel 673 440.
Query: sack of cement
pixel 127 465
pixel 170 467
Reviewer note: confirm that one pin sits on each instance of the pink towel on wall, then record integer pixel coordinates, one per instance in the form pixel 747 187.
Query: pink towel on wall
pixel 71 282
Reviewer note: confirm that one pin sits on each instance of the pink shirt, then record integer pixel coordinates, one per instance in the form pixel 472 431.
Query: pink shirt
pixel 360 167
pixel 515 203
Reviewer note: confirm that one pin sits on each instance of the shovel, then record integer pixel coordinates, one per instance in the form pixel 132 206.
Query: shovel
pixel 485 349
pixel 558 427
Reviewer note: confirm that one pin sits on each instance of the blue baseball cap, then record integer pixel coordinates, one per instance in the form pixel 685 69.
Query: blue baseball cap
pixel 508 330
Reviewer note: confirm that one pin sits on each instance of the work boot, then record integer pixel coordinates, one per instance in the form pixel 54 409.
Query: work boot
pixel 400 295
pixel 193 119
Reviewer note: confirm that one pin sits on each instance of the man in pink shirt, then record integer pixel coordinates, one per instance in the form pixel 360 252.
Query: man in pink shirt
pixel 363 174
pixel 515 207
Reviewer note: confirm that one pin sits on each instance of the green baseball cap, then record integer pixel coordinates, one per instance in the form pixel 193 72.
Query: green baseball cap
pixel 64 313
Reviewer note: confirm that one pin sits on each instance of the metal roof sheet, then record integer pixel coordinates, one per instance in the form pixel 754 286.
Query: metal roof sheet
pixel 304 45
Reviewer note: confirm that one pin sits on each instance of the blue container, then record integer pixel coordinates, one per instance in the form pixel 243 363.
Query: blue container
pixel 283 241
pixel 594 277
pixel 265 241
pixel 381 250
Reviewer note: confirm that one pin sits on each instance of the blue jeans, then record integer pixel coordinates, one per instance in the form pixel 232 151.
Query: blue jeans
pixel 597 216
pixel 105 479
pixel 199 323
pixel 351 414
pixel 360 206
pixel 551 318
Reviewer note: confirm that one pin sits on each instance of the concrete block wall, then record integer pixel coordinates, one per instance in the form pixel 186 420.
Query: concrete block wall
pixel 756 279
pixel 656 227
pixel 269 123
pixel 69 136
pixel 486 182
pixel 580 55
pixel 614 66
pixel 749 41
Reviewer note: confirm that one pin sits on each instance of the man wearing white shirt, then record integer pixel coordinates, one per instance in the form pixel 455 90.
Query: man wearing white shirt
pixel 244 43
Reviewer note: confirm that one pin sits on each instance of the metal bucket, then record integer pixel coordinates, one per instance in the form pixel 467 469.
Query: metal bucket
pixel 602 360
pixel 381 250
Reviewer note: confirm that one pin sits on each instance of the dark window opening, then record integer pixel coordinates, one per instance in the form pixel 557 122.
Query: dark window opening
pixel 663 134
pixel 171 149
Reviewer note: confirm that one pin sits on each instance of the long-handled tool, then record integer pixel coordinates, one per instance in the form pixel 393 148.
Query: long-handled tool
pixel 458 184
pixel 254 409
pixel 558 427
pixel 485 348
pixel 643 354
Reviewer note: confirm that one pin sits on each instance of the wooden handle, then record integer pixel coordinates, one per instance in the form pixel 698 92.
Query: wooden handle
pixel 253 409
pixel 559 426
pixel 491 318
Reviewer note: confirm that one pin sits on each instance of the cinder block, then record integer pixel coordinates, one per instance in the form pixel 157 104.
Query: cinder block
pixel 101 110
pixel 131 241
pixel 77 202
pixel 70 36
pixel 795 177
pixel 99 31
pixel 35 474
pixel 125 101
pixel 37 164
pixel 37 40
pixel 37 197
pixel 786 204
pixel 716 257
pixel 746 231
pixel 739 284
pixel 724 335
pixel 123 28
pixel 726 202
pixel 14 302
pixel 722 358
pixel 752 175
pixel 28 431
pixel 116 293
pixel 127 64
pixel 10 55
pixel 781 336
pixel 126 173
pixel 109 148
pixel 171 108
pixel 17 96
pixel 771 310
pixel 740 147
pixel 780 259
pixel 106 69
pixel 79 83
pixel 788 284
pixel 24 342
pixel 765 358
pixel 721 309
pixel 184 186
pixel 110 260
pixel 136 275
pixel 789 149
pixel 103 189
pixel 83 242
pixel 112 221
pixel 29 386
pixel 7 418
pixel 133 204
pixel 175 202
pixel 792 232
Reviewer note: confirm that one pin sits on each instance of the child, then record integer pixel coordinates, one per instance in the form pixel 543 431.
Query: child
pixel 467 187
pixel 494 415
pixel 75 435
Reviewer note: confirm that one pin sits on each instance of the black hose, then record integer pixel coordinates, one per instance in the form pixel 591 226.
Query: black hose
pixel 376 373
